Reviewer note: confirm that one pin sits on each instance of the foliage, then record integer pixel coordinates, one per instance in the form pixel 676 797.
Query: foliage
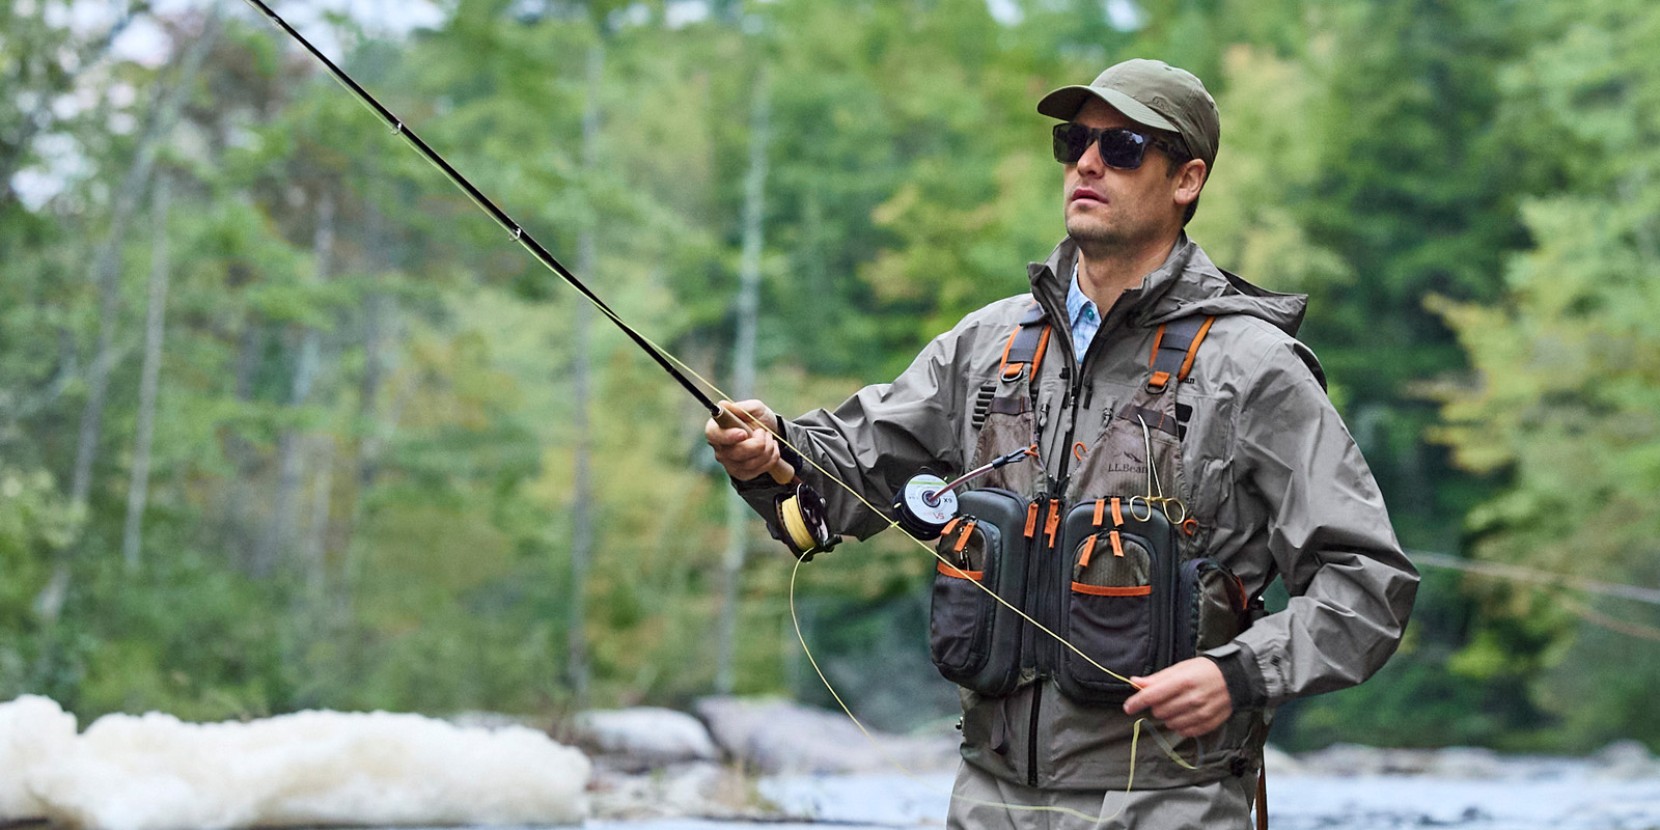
pixel 360 480
pixel 1565 399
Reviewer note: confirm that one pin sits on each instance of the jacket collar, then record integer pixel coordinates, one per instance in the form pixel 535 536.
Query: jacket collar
pixel 1186 283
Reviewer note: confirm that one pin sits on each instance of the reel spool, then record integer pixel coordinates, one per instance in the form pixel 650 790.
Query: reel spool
pixel 924 507
pixel 804 519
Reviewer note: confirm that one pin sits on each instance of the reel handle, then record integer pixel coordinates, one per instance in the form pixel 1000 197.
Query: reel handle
pixel 781 471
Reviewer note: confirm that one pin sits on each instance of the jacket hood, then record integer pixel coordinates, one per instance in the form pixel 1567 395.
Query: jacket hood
pixel 1187 283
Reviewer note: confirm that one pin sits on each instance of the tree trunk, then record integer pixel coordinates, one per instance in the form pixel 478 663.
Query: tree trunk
pixel 106 273
pixel 315 549
pixel 582 496
pixel 280 533
pixel 738 517
pixel 155 329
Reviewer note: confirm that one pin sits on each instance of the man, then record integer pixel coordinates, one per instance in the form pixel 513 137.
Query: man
pixel 1177 384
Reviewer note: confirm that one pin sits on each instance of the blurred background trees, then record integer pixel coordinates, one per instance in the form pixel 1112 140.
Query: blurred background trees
pixel 285 422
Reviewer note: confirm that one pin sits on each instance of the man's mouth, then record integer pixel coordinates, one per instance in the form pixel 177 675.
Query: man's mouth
pixel 1083 193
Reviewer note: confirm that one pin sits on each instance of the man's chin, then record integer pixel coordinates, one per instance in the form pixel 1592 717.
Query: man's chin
pixel 1090 235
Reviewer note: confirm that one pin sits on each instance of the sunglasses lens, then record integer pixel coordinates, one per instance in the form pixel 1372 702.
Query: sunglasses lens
pixel 1071 140
pixel 1123 149
pixel 1120 148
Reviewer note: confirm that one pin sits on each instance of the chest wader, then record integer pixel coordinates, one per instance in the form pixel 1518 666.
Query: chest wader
pixel 1107 572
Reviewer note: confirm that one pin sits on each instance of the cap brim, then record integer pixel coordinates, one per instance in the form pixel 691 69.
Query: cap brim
pixel 1065 102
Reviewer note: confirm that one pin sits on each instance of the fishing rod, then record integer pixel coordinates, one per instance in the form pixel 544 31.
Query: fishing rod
pixel 801 512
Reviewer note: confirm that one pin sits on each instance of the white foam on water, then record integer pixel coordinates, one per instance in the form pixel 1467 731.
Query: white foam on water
pixel 154 772
pixel 32 730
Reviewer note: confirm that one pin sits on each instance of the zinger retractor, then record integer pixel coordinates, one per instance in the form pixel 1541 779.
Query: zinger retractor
pixel 803 521
pixel 927 503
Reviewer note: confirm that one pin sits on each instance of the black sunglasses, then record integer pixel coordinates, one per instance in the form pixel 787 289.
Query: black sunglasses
pixel 1120 147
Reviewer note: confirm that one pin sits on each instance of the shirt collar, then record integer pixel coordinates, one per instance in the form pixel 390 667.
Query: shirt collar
pixel 1077 301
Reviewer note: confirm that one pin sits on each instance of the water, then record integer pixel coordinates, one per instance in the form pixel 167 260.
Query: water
pixel 1299 802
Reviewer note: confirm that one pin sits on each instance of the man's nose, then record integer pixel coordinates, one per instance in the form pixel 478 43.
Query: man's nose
pixel 1090 163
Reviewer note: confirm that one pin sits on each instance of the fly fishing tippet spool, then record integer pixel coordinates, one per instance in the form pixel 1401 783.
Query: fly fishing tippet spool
pixel 924 507
pixel 927 503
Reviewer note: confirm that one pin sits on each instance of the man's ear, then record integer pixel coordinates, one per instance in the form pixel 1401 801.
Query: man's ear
pixel 1189 180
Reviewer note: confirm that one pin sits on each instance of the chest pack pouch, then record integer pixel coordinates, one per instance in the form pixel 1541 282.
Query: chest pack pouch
pixel 974 640
pixel 1107 577
pixel 1131 603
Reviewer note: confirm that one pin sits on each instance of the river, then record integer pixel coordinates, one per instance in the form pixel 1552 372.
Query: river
pixel 1561 797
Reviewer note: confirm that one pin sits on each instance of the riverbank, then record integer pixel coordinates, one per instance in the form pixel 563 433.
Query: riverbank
pixel 788 767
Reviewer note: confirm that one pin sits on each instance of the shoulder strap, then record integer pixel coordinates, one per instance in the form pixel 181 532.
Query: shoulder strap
pixel 1027 344
pixel 1174 348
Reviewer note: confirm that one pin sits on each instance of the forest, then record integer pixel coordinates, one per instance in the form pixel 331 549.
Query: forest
pixel 286 422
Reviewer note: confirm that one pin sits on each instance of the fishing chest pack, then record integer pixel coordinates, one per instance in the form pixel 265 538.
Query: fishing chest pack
pixel 1106 576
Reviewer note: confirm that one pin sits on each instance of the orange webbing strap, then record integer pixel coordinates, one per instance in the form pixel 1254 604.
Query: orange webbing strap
pixel 1023 354
pixel 1100 507
pixel 1174 347
pixel 1117 512
pixel 1193 348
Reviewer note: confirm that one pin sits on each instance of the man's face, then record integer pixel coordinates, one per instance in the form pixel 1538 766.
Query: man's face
pixel 1108 209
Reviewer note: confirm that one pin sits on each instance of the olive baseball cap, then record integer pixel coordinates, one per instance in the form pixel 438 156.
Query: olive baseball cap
pixel 1151 93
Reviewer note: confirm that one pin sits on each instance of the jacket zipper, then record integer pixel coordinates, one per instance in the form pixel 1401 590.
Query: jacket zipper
pixel 1041 590
pixel 1048 583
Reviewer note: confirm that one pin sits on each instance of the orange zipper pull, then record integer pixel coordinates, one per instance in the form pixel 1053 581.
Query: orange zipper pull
pixel 1054 523
pixel 1089 549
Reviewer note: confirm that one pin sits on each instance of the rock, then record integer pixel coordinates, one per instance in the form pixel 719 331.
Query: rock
pixel 646 736
pixel 1626 760
pixel 489 720
pixel 1344 761
pixel 1279 762
pixel 700 788
pixel 1466 763
pixel 777 737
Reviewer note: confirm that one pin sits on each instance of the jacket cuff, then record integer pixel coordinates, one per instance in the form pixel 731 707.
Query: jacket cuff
pixel 1238 672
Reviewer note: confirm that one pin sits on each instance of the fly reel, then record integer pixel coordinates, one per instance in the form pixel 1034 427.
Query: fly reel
pixel 803 522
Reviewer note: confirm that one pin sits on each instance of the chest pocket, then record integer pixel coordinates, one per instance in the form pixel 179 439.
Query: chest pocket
pixel 1136 454
pixel 1004 410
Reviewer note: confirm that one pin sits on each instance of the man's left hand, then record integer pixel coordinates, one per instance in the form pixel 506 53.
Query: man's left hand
pixel 1190 697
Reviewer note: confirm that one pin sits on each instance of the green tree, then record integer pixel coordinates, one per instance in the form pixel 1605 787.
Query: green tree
pixel 1564 400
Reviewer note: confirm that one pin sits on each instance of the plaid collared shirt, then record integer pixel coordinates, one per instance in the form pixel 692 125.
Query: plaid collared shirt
pixel 1086 318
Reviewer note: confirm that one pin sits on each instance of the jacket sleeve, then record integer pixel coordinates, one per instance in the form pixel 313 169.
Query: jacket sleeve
pixel 875 441
pixel 1329 534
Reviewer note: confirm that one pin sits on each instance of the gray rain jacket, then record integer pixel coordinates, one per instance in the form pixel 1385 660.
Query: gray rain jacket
pixel 1265 466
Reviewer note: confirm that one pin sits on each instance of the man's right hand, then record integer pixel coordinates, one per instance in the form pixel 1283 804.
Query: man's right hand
pixel 746 451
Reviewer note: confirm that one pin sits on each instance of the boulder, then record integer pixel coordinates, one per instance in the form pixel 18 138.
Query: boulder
pixel 1626 760
pixel 644 737
pixel 1279 762
pixel 779 737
